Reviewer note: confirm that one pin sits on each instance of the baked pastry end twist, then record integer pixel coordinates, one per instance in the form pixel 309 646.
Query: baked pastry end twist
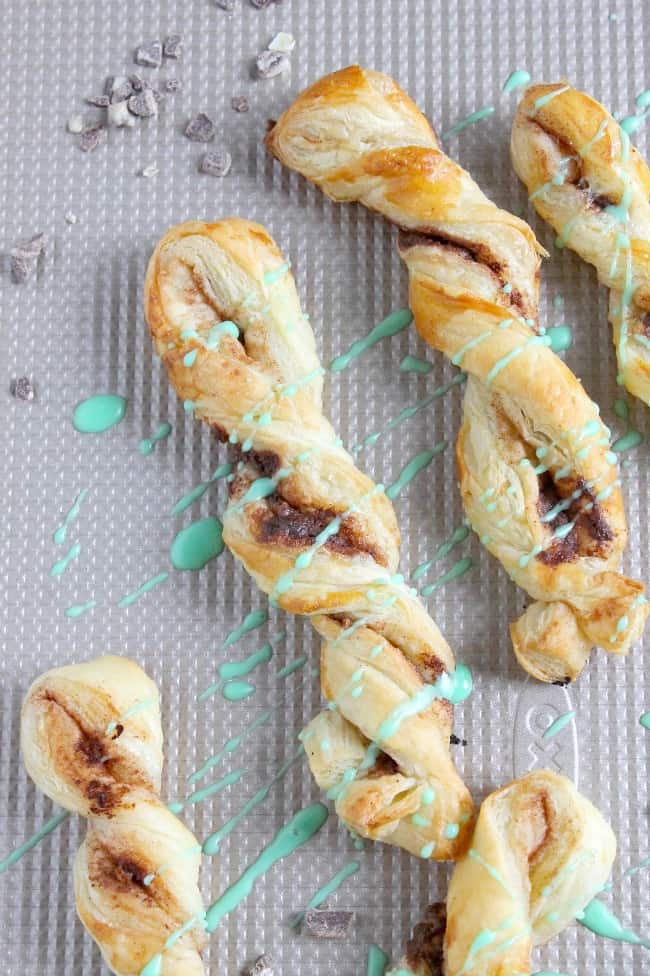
pixel 91 740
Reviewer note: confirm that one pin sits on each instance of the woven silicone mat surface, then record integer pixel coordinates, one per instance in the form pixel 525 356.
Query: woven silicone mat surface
pixel 76 328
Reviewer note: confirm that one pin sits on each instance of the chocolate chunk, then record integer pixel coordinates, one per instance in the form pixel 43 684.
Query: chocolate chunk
pixel 269 64
pixel 149 55
pixel 216 163
pixel 455 741
pixel 92 138
pixel 173 47
pixel 200 128
pixel 137 83
pixel 324 923
pixel 240 103
pixel 31 248
pixel 226 4
pixel 261 967
pixel 101 101
pixel 24 257
pixel 424 950
pixel 119 88
pixel 21 270
pixel 144 104
pixel 21 388
pixel 172 85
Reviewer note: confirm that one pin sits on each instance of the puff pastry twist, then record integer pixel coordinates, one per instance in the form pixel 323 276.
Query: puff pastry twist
pixel 314 532
pixel 92 741
pixel 593 187
pixel 539 853
pixel 537 477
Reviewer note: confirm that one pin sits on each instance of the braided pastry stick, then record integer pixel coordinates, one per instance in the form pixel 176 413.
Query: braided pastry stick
pixel 540 852
pixel 538 481
pixel 314 532
pixel 587 180
pixel 91 740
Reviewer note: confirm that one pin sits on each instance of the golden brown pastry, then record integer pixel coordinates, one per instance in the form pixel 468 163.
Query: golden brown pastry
pixel 539 483
pixel 540 852
pixel 586 179
pixel 92 741
pixel 315 533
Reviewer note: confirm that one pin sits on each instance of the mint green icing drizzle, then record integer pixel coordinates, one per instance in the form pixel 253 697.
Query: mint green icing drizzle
pixel 408 412
pixel 460 568
pixel 197 544
pixel 292 667
pixel 598 918
pixel 628 442
pixel 560 723
pixel 29 844
pixel 147 445
pixel 471 119
pixel 145 587
pixel 417 463
pixel 390 326
pixel 231 746
pixel 453 686
pixel 155 964
pixel 239 669
pixel 212 844
pixel 645 720
pixel 457 536
pixel 324 893
pixel 134 709
pixel 377 961
pixel 99 413
pixel 62 531
pixel 517 79
pixel 199 795
pixel 413 364
pixel 236 691
pixel 79 609
pixel 297 832
pixel 192 496
pixel 252 620
pixel 60 566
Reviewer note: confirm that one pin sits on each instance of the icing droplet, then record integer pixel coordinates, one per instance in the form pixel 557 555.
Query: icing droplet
pixel 560 723
pixel 561 337
pixel 79 609
pixel 61 565
pixel 197 544
pixel 390 326
pixel 235 691
pixel 146 587
pixel 413 364
pixel 645 720
pixel 147 445
pixel 517 79
pixel 60 534
pixel 377 961
pixel 99 413
pixel 471 119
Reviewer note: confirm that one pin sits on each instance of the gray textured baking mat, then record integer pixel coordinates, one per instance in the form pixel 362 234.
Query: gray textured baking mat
pixel 77 329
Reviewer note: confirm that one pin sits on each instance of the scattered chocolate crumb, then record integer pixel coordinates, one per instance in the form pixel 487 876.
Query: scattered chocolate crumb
pixel 149 55
pixel 144 104
pixel 200 128
pixel 226 4
pixel 283 42
pixel 137 83
pixel 324 923
pixel 76 124
pixel 119 115
pixel 261 967
pixel 71 218
pixel 173 47
pixel 21 388
pixel 269 64
pixel 92 138
pixel 172 85
pixel 261 4
pixel 240 103
pixel 24 258
pixel 455 741
pixel 101 101
pixel 216 163
pixel 563 682
pixel 149 171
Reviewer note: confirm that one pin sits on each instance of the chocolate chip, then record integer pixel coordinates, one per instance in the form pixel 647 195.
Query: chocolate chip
pixel 172 85
pixel 455 741
pixel 226 4
pixel 269 64
pixel 21 388
pixel 240 103
pixel 261 967
pixel 200 128
pixel 92 138
pixel 101 101
pixel 149 55
pixel 173 47
pixel 144 104
pixel 216 163
pixel 325 924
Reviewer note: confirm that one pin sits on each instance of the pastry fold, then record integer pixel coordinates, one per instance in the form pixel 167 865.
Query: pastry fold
pixel 538 479
pixel 593 187
pixel 314 532
pixel 91 740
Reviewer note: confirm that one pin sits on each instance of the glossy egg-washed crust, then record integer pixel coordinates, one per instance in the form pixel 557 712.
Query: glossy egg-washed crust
pixel 378 638
pixel 473 272
pixel 576 163
pixel 113 779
